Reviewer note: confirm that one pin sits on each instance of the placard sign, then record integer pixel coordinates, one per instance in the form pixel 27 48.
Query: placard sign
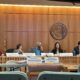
pixel 51 60
pixel 34 60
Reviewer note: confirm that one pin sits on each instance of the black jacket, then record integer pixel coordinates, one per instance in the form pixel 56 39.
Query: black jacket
pixel 55 51
pixel 76 51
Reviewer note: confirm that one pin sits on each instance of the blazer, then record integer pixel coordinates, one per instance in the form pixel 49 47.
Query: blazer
pixel 76 51
pixel 55 51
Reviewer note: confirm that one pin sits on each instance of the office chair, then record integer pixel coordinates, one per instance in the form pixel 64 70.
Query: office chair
pixel 14 75
pixel 48 75
pixel 45 67
pixel 12 68
pixel 11 50
pixel 15 65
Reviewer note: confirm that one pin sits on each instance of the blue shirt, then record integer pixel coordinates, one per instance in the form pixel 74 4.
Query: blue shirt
pixel 37 51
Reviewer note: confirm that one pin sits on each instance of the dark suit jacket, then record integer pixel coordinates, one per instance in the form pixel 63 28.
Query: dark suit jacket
pixel 76 51
pixel 54 51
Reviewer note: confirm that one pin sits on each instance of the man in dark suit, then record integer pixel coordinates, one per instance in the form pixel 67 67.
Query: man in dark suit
pixel 76 50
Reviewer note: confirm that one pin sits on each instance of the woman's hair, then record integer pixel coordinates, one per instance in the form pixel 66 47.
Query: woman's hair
pixel 18 46
pixel 78 42
pixel 56 44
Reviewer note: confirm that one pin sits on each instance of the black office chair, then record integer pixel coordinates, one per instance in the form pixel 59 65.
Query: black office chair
pixel 48 75
pixel 13 75
pixel 11 50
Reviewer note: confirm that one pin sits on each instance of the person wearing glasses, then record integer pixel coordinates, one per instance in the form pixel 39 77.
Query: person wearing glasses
pixel 38 49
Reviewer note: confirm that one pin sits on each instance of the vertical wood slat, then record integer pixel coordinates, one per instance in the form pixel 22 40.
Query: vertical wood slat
pixel 70 60
pixel 5 59
pixel 31 24
pixel 67 60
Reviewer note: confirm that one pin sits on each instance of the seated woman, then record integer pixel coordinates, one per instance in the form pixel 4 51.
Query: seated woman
pixel 57 48
pixel 18 49
pixel 38 49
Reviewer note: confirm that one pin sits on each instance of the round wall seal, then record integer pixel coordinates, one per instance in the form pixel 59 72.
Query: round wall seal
pixel 58 31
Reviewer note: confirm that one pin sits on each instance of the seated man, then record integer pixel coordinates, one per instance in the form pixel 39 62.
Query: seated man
pixel 38 49
pixel 76 50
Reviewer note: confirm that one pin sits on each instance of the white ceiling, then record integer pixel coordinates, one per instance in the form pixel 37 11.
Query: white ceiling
pixel 37 2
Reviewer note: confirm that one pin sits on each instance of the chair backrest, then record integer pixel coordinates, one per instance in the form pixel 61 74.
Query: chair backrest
pixel 45 67
pixel 11 69
pixel 13 65
pixel 13 75
pixel 11 50
pixel 48 75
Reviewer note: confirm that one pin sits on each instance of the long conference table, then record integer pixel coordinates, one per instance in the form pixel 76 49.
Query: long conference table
pixel 68 61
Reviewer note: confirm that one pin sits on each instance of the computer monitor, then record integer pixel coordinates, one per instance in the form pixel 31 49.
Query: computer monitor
pixel 44 54
pixel 47 54
pixel 29 54
pixel 66 54
pixel 50 54
pixel 12 54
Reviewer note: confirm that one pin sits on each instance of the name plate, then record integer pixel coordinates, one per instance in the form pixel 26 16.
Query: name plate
pixel 34 60
pixel 51 60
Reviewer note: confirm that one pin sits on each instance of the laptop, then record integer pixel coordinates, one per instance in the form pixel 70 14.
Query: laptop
pixel 66 54
pixel 29 54
pixel 12 54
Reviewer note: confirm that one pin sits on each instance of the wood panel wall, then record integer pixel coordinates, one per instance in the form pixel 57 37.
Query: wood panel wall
pixel 29 24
